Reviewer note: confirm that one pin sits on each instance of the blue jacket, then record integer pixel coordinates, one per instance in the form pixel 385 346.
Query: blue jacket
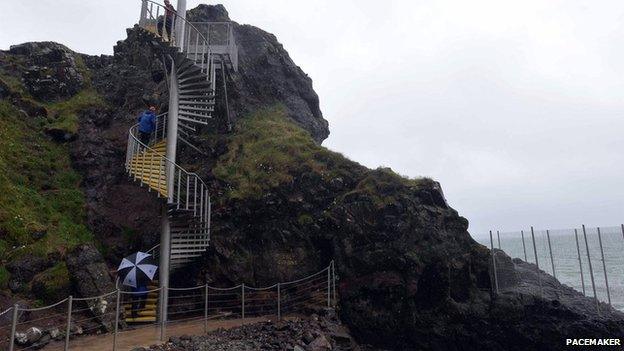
pixel 147 122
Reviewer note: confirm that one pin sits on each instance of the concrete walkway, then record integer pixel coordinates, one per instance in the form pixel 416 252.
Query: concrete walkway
pixel 148 335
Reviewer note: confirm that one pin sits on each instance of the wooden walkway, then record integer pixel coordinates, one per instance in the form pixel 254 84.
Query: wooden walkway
pixel 148 335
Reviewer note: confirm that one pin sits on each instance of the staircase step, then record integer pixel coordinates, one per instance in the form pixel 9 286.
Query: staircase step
pixel 200 109
pixel 192 120
pixel 191 102
pixel 206 96
pixel 193 114
pixel 141 320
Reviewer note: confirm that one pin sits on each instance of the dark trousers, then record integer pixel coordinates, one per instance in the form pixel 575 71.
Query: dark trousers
pixel 144 138
pixel 168 26
pixel 138 303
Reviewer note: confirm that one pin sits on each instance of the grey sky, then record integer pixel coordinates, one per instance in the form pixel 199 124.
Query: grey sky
pixel 514 106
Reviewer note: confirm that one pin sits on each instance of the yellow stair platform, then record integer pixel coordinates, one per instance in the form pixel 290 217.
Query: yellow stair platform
pixel 148 167
pixel 149 313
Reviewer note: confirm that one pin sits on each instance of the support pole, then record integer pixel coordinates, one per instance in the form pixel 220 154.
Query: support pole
pixel 578 251
pixel 279 301
pixel 13 327
pixel 163 312
pixel 68 328
pixel 539 279
pixel 498 236
pixel 243 301
pixel 494 263
pixel 206 310
pixel 165 240
pixel 180 25
pixel 523 246
pixel 591 270
pixel 117 306
pixel 552 260
pixel 143 13
pixel 622 231
pixel 604 266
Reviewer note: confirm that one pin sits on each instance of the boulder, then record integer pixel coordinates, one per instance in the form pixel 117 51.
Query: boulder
pixel 90 277
pixel 53 72
pixel 320 344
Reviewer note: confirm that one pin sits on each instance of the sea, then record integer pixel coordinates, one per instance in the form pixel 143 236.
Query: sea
pixel 570 259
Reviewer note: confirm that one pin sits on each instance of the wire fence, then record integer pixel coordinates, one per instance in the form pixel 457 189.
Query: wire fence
pixel 121 311
pixel 589 260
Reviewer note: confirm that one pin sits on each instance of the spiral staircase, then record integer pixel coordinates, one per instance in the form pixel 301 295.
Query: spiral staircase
pixel 194 63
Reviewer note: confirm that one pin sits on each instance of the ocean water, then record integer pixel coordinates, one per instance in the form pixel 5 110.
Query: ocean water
pixel 565 258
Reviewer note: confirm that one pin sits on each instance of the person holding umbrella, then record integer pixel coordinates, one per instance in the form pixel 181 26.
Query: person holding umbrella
pixel 136 271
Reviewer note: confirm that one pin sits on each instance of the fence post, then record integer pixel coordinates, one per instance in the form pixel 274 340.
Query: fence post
pixel 604 266
pixel 117 306
pixel 68 330
pixel 539 279
pixel 498 236
pixel 13 327
pixel 334 282
pixel 328 286
pixel 622 231
pixel 206 310
pixel 243 301
pixel 591 270
pixel 552 260
pixel 494 263
pixel 523 246
pixel 279 301
pixel 578 251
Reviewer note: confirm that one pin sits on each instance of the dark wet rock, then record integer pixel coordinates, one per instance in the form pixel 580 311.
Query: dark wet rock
pixel 60 135
pixel 267 75
pixel 90 277
pixel 53 72
pixel 24 269
pixel 283 335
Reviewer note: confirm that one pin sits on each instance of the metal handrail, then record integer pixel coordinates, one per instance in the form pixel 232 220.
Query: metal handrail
pixel 134 150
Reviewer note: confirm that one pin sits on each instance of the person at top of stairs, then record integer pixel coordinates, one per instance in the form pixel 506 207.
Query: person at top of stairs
pixel 147 124
pixel 168 21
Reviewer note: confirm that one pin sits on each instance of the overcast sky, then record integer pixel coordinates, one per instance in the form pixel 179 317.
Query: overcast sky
pixel 516 107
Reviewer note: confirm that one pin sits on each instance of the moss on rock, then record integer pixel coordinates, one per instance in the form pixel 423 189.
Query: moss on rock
pixel 52 284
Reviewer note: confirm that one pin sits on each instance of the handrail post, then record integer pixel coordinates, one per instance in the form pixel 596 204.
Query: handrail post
pixel 243 301
pixel 117 306
pixel 552 260
pixel 578 252
pixel 329 286
pixel 537 271
pixel 604 266
pixel 334 281
pixel 13 327
pixel 591 270
pixel 499 244
pixel 494 263
pixel 68 329
pixel 523 246
pixel 206 309
pixel 279 301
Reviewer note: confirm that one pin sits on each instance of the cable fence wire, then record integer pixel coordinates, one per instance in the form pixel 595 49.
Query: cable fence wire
pixel 122 311
pixel 586 259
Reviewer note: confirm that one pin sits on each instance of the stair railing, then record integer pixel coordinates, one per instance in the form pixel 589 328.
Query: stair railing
pixel 194 44
pixel 189 192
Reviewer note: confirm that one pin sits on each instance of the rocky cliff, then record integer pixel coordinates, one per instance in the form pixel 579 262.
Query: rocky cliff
pixel 410 275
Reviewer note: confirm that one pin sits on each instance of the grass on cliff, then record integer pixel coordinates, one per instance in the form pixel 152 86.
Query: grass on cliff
pixel 42 206
pixel 269 150
pixel 64 114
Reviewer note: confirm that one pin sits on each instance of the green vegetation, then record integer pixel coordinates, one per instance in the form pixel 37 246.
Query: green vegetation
pixel 269 150
pixel 4 277
pixel 65 113
pixel 52 284
pixel 383 185
pixel 40 190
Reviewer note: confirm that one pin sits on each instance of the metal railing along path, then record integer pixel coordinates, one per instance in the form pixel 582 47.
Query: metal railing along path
pixel 588 260
pixel 72 317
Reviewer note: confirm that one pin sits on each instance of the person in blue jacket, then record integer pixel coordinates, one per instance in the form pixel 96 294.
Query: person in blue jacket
pixel 147 124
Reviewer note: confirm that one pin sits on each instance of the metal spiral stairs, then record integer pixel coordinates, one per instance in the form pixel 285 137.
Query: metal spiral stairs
pixel 194 66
